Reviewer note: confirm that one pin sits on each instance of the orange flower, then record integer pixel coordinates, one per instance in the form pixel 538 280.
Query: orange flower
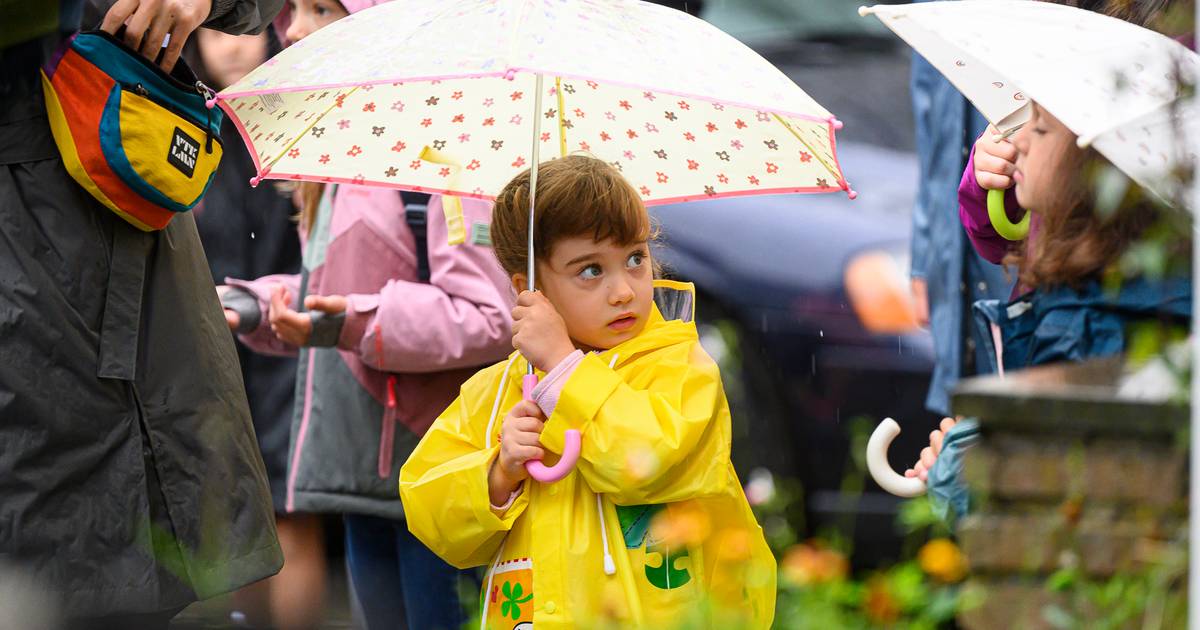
pixel 813 564
pixel 681 525
pixel 943 560
pixel 880 606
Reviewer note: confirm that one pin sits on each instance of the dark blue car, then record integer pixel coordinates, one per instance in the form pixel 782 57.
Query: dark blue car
pixel 797 302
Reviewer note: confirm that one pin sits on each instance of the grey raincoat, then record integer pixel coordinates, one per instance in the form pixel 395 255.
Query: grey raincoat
pixel 130 481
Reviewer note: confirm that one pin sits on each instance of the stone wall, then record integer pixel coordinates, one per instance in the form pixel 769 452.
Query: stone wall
pixel 1074 470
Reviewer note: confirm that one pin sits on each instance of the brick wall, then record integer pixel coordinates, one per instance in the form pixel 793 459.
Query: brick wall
pixel 1073 470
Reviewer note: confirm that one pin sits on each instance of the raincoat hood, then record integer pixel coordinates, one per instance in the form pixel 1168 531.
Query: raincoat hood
pixel 649 527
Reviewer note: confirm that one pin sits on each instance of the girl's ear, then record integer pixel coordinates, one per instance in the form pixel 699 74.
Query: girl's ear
pixel 520 282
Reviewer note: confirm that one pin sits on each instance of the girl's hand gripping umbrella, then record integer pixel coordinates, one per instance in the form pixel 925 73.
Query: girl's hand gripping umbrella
pixel 571 446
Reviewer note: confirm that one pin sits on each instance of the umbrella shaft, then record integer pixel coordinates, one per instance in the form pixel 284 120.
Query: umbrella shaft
pixel 533 173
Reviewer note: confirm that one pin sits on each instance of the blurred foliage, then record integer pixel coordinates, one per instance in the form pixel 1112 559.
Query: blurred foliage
pixel 1154 596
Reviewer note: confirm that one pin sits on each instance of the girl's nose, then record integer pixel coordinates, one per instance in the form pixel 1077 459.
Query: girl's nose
pixel 621 293
pixel 299 28
pixel 1020 138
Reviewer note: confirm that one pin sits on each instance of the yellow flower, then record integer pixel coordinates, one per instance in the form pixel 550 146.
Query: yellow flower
pixel 943 560
pixel 813 564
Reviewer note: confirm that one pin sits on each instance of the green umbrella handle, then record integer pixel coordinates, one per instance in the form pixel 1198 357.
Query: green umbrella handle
pixel 1009 230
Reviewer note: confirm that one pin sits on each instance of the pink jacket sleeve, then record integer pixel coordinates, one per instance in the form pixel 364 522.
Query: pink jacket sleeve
pixel 972 210
pixel 547 392
pixel 261 339
pixel 461 318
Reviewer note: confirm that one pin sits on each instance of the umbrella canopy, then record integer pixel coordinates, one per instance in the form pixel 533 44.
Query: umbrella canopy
pixel 1116 85
pixel 443 97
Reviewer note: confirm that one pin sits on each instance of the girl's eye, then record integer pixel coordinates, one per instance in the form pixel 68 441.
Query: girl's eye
pixel 590 272
pixel 635 260
pixel 1039 131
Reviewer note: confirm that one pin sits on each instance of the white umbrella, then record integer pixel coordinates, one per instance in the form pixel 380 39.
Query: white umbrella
pixel 1114 84
pixel 1117 86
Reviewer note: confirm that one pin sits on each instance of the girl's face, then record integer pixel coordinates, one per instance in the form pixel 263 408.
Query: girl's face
pixel 227 58
pixel 310 15
pixel 1045 170
pixel 602 290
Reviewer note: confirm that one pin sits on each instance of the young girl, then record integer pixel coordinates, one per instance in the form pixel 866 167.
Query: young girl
pixel 1064 313
pixel 651 529
pixel 1062 261
pixel 396 320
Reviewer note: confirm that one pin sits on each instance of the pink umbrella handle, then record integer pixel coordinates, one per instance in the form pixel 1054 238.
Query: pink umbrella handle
pixel 571 446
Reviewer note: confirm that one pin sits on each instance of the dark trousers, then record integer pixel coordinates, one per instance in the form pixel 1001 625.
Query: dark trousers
pixel 398 581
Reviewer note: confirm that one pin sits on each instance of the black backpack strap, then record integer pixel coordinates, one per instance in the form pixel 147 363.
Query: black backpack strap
pixel 416 215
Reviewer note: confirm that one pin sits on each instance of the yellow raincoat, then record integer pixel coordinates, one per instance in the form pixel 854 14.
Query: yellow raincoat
pixel 650 530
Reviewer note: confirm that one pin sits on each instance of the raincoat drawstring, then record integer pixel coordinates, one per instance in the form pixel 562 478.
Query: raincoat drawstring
pixel 496 405
pixel 610 567
pixel 487 593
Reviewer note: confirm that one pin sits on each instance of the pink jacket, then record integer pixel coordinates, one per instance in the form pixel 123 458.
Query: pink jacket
pixel 407 344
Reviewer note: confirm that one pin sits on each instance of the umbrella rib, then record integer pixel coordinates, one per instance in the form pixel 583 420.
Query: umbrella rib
pixel 518 21
pixel 562 129
pixel 815 153
pixel 300 136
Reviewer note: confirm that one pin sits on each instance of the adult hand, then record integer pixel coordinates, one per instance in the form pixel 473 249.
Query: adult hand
pixel 147 23
pixel 930 453
pixel 519 442
pixel 994 161
pixel 920 295
pixel 288 325
pixel 539 332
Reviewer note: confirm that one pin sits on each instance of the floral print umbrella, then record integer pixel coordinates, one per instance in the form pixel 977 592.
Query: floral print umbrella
pixel 443 97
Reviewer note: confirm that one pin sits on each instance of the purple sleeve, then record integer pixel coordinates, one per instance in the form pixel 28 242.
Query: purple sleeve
pixel 261 339
pixel 972 210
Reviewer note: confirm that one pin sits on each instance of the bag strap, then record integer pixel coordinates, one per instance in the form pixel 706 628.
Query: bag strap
pixel 416 215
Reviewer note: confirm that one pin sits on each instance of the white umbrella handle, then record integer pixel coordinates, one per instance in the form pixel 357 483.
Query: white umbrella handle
pixel 881 471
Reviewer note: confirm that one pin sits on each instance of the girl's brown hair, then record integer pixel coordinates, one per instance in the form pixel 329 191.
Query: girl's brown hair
pixel 309 194
pixel 1074 242
pixel 577 195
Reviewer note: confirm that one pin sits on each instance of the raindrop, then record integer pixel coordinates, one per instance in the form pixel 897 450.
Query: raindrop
pixel 821 333
pixel 252 235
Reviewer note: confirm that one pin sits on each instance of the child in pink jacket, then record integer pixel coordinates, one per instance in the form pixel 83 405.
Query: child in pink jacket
pixel 383 358
pixel 388 322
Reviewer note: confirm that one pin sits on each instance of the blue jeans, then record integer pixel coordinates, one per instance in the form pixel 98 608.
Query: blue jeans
pixel 398 581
